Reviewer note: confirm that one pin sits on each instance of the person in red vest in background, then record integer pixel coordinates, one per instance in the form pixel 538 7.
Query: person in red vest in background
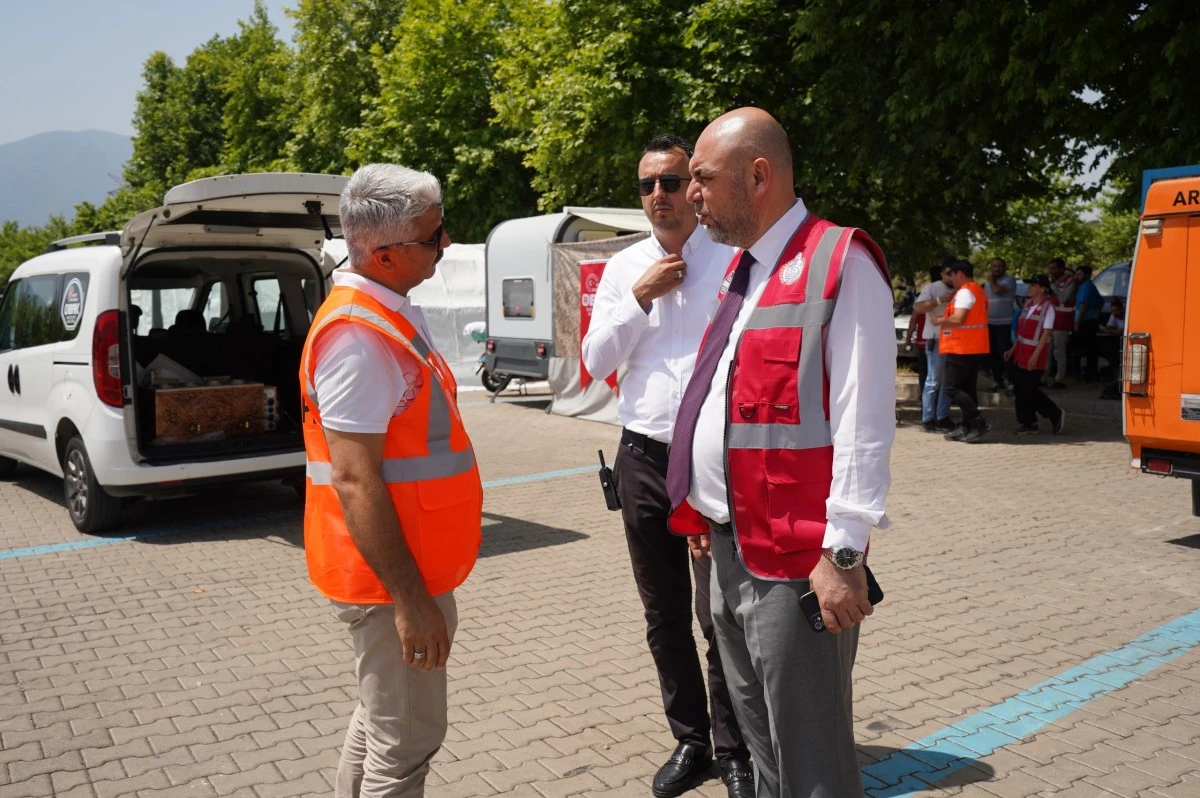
pixel 781 453
pixel 1030 353
pixel 965 344
pixel 393 509
pixel 1063 290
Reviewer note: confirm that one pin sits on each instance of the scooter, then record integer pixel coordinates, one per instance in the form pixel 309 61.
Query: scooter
pixel 494 383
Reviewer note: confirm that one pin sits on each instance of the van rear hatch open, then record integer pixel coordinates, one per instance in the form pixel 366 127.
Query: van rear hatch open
pixel 293 211
pixel 220 285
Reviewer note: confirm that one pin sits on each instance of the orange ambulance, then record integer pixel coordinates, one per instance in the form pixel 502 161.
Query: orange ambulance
pixel 1161 354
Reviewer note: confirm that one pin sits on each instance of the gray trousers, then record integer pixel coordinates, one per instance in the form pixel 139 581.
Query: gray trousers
pixel 791 686
pixel 400 721
pixel 1058 348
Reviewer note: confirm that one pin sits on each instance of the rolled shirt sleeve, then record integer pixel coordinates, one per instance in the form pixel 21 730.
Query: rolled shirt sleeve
pixel 860 350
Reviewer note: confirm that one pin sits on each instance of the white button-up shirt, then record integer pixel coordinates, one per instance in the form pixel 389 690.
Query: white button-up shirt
pixel 658 348
pixel 860 355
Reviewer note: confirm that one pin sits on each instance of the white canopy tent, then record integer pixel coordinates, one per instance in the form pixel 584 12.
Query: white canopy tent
pixel 451 300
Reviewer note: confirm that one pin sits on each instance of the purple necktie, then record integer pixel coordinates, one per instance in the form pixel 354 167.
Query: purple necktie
pixel 679 466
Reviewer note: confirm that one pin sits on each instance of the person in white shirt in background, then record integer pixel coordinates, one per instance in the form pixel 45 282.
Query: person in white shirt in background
pixel 650 312
pixel 931 302
pixel 1001 290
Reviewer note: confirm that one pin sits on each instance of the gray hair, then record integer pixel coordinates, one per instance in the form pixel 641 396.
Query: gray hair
pixel 380 204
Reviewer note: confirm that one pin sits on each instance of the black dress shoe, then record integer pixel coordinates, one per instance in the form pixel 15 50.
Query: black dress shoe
pixel 685 766
pixel 738 777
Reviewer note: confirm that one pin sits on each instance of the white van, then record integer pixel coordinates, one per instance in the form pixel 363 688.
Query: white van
pixel 520 284
pixel 166 357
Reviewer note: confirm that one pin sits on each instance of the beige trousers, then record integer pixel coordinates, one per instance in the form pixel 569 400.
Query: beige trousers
pixel 400 721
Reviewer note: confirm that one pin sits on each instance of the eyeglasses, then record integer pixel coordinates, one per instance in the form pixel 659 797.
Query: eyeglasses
pixel 435 241
pixel 670 184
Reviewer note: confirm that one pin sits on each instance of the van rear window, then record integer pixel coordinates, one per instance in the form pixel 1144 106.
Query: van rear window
pixel 517 296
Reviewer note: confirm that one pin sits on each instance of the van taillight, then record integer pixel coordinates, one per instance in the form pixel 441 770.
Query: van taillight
pixel 1159 466
pixel 106 359
pixel 1137 363
pixel 541 350
pixel 491 345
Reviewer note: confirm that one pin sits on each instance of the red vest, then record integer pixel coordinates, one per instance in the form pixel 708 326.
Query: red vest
pixel 1064 311
pixel 778 445
pixel 1029 332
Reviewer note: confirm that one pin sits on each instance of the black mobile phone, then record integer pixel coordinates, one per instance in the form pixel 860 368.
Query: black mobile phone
pixel 608 486
pixel 811 607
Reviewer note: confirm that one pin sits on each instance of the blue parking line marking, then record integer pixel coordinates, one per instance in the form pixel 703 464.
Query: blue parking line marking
pixel 89 543
pixel 922 764
pixel 566 472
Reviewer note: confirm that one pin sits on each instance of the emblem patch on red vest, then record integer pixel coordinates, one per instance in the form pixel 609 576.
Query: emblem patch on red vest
pixel 792 270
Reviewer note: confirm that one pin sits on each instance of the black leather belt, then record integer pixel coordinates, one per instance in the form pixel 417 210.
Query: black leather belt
pixel 643 444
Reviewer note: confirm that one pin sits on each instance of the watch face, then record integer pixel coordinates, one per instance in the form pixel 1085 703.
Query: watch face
pixel 846 558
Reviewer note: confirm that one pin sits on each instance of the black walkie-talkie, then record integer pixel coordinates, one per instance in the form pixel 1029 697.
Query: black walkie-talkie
pixel 606 484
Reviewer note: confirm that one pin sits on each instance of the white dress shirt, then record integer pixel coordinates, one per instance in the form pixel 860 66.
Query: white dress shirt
pixel 359 382
pixel 658 348
pixel 860 355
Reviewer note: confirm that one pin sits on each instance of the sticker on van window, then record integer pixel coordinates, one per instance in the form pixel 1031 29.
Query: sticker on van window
pixel 1191 407
pixel 71 310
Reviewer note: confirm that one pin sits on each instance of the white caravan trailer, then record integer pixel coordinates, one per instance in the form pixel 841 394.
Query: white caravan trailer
pixel 520 282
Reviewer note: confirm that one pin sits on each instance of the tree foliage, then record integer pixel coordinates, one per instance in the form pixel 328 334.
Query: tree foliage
pixel 334 75
pixel 434 112
pixel 938 127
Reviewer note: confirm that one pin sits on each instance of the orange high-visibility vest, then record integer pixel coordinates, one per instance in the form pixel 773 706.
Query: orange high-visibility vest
pixel 971 337
pixel 428 465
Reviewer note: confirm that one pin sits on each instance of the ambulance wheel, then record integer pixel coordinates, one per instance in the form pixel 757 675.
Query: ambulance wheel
pixel 8 467
pixel 1196 497
pixel 91 509
pixel 494 382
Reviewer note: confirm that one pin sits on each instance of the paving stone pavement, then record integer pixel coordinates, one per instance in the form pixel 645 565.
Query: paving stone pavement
pixel 198 661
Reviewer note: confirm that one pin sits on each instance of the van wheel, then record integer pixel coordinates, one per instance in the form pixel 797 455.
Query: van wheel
pixel 92 510
pixel 8 467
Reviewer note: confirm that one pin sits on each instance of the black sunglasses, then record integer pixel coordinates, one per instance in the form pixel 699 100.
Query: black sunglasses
pixel 435 241
pixel 670 184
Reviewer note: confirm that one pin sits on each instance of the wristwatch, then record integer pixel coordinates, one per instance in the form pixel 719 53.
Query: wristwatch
pixel 843 557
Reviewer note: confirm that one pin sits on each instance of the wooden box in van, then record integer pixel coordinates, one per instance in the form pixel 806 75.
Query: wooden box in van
pixel 183 414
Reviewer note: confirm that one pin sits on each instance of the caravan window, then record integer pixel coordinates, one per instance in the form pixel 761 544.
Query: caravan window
pixel 517 295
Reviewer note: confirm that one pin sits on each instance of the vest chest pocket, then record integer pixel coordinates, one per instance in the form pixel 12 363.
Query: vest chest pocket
pixel 767 376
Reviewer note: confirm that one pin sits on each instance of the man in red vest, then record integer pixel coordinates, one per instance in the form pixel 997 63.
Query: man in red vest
pixel 781 451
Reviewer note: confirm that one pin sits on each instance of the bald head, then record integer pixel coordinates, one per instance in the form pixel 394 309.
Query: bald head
pixel 742 176
pixel 752 133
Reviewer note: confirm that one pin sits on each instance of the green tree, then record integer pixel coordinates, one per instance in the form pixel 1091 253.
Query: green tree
pixel 434 112
pixel 18 244
pixel 257 115
pixel 334 75
pixel 587 83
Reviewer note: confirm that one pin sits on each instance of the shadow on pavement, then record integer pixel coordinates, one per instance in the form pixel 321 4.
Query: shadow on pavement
pixel 503 534
pixel 896 772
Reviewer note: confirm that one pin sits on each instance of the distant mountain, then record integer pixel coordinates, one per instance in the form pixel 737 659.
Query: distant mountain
pixel 50 172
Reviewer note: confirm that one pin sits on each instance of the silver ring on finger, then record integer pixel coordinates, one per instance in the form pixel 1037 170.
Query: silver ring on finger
pixel 679 274
pixel 418 655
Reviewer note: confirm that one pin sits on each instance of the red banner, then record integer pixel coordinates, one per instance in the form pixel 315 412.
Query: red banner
pixel 590 272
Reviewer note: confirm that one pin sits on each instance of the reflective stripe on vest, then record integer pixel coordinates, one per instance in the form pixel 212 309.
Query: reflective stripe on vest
pixel 805 435
pixel 405 469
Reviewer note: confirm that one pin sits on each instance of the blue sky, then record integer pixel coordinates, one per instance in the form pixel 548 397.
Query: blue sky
pixel 76 64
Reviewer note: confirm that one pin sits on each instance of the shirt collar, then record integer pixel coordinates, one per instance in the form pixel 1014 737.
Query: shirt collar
pixel 767 249
pixel 689 246
pixel 381 294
